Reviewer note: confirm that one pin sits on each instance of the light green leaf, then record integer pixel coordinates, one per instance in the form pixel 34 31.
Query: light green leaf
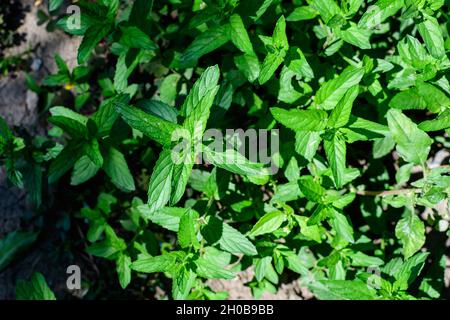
pixel 54 4
pixel 248 65
pixel 356 36
pixel 379 12
pixel 423 96
pixel 105 117
pixel 109 247
pixel 342 290
pixel 231 160
pixel 70 121
pixel 360 259
pixel 407 272
pixel 228 238
pixel 180 178
pixel 280 45
pixel 310 232
pixel 287 92
pixel 123 263
pixel 92 37
pixel 235 242
pixel 360 129
pixel 207 42
pixel 200 99
pixel 326 8
pixel 154 127
pixel 298 63
pixel 182 283
pixel 413 145
pixel 35 289
pixel 261 9
pixel 92 150
pixel 279 37
pixel 168 94
pixel 261 267
pixel 432 35
pixel 311 189
pixel 116 168
pixel 13 244
pixel 340 115
pixel 334 90
pixel 239 35
pixel 292 172
pixel 341 225
pixel 403 173
pixel 187 231
pixel 159 109
pixel 149 264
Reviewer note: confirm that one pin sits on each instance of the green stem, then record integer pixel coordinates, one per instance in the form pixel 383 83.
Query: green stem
pixel 384 193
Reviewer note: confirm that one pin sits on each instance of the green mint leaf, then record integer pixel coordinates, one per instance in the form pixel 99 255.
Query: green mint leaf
pixel 379 12
pixel 133 37
pixel 239 35
pixel 207 42
pixel 159 188
pixel 187 231
pixel 301 120
pixel 342 226
pixel 270 64
pixel 233 161
pixel 334 90
pixel 342 290
pixel 93 35
pixel 116 168
pixel 326 8
pixel 123 263
pixel 35 289
pixel 228 238
pixel 83 170
pixel 154 127
pixel 71 122
pixel 13 244
pixel 356 36
pixel 209 270
pixel 268 223
pixel 149 264
pixel 336 150
pixel 411 232
pixel 423 96
pixel 340 115
pixel 432 35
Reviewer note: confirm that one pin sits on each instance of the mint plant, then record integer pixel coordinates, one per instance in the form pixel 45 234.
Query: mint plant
pixel 354 202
